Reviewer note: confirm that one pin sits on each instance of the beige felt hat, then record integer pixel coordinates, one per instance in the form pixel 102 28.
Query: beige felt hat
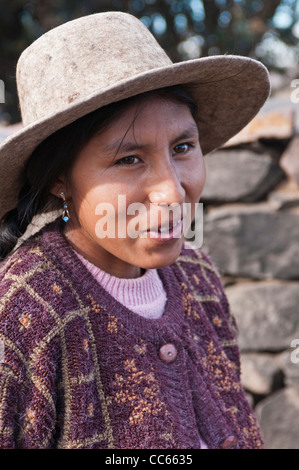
pixel 98 59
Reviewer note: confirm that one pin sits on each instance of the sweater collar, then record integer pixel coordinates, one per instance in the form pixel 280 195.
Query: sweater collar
pixel 143 290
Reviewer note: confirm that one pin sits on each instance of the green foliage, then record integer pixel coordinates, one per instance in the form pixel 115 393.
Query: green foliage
pixel 186 29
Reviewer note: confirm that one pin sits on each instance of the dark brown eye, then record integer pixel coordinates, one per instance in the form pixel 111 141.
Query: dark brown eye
pixel 130 160
pixel 181 148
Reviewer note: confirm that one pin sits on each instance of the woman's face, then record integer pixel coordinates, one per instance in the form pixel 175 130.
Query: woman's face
pixel 149 155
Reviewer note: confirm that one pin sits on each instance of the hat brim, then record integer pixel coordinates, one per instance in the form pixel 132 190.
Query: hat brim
pixel 229 92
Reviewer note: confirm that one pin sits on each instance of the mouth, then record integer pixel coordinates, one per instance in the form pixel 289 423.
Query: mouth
pixel 166 231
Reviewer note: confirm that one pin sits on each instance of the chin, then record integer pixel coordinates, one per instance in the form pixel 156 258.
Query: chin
pixel 165 257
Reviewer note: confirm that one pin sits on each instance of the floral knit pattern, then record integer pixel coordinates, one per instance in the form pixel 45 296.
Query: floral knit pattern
pixel 80 370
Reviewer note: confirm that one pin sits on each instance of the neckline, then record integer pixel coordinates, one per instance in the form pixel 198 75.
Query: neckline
pixel 143 290
pixel 167 328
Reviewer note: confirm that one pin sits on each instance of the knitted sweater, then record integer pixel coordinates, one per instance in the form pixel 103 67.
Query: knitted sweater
pixel 144 295
pixel 80 370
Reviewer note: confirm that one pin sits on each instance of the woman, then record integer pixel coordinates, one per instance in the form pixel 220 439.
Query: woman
pixel 122 338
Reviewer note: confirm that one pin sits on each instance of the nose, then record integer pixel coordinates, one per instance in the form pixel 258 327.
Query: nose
pixel 166 188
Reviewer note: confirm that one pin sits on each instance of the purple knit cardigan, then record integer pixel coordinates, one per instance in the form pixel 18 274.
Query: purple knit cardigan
pixel 80 370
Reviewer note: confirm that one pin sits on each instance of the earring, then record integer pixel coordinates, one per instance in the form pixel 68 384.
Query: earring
pixel 65 212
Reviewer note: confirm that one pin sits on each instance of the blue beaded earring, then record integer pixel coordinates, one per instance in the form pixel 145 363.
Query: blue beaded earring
pixel 65 212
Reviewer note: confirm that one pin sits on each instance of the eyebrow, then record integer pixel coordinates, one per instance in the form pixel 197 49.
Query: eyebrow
pixel 130 146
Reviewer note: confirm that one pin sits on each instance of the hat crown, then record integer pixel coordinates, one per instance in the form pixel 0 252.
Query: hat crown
pixel 80 58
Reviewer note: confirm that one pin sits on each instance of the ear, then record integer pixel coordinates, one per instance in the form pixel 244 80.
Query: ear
pixel 58 187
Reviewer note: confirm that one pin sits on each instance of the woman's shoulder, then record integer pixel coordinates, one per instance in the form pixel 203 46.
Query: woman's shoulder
pixel 27 292
pixel 31 254
pixel 202 282
pixel 194 263
pixel 22 262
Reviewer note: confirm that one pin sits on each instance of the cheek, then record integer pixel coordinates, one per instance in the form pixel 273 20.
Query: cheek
pixel 202 175
pixel 84 201
pixel 196 179
pixel 101 202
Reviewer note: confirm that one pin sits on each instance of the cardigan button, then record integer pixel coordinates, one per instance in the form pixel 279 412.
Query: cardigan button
pixel 168 353
pixel 229 443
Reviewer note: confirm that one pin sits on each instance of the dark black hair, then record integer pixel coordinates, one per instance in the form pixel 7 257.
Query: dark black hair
pixel 54 157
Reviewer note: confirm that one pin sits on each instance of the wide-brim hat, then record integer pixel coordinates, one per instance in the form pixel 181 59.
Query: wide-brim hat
pixel 103 58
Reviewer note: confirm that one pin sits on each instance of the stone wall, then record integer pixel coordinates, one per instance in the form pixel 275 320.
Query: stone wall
pixel 251 231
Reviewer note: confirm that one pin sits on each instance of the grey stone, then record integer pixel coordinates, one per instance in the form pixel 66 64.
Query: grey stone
pixel 240 175
pixel 285 195
pixel 253 240
pixel 250 398
pixel 278 416
pixel 271 123
pixel 289 363
pixel 281 102
pixel 289 161
pixel 266 313
pixel 260 373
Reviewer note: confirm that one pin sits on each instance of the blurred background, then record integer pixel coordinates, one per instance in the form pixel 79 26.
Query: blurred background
pixel 251 197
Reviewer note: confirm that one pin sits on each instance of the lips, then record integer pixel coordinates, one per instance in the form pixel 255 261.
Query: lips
pixel 166 228
pixel 167 231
